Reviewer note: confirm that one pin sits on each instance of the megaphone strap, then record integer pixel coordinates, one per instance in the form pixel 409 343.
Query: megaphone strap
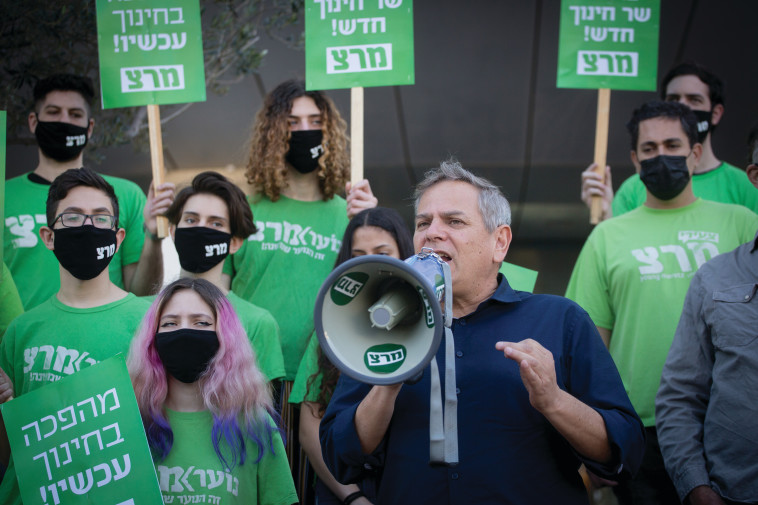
pixel 436 429
pixel 443 425
pixel 451 401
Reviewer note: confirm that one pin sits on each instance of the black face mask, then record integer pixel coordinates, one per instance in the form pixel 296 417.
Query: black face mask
pixel 185 352
pixel 665 176
pixel 84 251
pixel 703 124
pixel 201 248
pixel 60 141
pixel 305 150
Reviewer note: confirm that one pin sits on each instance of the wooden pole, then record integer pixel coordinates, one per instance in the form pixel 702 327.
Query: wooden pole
pixel 156 156
pixel 356 134
pixel 601 148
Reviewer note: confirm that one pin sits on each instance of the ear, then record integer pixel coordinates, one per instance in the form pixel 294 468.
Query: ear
pixel 635 161
pixel 32 120
pixel 47 235
pixel 120 234
pixel 172 231
pixel 752 174
pixel 697 152
pixel 502 242
pixel 235 244
pixel 717 114
pixel 90 127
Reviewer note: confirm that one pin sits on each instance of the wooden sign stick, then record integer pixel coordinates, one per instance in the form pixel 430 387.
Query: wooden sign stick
pixel 156 156
pixel 356 134
pixel 601 148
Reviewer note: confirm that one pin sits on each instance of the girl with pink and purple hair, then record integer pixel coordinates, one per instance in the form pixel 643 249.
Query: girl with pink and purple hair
pixel 205 404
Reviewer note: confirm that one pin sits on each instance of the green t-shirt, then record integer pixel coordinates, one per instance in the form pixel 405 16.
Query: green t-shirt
pixel 632 276
pixel 193 473
pixel 282 266
pixel 34 267
pixel 308 367
pixel 54 340
pixel 263 333
pixel 10 303
pixel 725 184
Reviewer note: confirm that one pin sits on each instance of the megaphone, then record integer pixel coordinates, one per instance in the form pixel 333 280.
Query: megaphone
pixel 379 319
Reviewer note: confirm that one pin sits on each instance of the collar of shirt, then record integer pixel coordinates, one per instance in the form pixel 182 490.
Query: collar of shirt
pixel 504 292
pixel 755 244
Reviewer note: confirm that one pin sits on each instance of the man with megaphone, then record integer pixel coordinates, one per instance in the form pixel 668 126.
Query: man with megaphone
pixel 537 393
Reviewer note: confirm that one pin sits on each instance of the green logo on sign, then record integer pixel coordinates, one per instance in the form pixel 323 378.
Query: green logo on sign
pixel 384 358
pixel 347 287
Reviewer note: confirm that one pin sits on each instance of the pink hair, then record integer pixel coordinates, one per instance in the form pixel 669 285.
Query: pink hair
pixel 233 388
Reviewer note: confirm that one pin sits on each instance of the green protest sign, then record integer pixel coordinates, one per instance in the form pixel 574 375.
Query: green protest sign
pixel 81 440
pixel 3 125
pixel 358 43
pixel 608 44
pixel 151 52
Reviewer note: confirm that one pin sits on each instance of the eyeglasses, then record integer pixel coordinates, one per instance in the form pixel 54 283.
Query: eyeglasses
pixel 75 220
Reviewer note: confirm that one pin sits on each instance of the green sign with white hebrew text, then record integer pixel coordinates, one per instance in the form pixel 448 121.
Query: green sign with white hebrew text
pixel 151 52
pixel 609 44
pixel 80 440
pixel 358 43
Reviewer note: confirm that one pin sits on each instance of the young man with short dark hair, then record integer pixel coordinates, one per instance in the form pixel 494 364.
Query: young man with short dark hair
pixel 634 270
pixel 89 319
pixel 702 91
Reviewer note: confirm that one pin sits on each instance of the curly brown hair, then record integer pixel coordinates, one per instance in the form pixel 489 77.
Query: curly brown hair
pixel 266 166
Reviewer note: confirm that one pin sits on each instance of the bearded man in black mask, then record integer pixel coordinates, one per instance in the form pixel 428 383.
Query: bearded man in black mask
pixel 702 91
pixel 634 270
pixel 89 319
pixel 61 121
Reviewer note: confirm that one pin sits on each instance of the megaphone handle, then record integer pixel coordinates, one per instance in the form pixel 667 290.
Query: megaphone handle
pixel 448 308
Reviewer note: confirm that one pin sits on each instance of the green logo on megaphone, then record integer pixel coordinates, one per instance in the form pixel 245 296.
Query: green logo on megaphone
pixel 347 287
pixel 384 358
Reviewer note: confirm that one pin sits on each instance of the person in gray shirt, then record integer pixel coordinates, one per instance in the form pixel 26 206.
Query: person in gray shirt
pixel 706 409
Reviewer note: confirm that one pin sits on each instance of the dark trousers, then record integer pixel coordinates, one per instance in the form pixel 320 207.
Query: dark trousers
pixel 652 484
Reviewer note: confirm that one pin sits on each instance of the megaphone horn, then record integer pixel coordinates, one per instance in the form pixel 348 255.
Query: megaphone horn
pixel 379 319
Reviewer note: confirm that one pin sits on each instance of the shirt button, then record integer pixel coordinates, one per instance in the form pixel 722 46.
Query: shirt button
pixel 747 297
pixel 459 354
pixel 457 391
pixel 454 476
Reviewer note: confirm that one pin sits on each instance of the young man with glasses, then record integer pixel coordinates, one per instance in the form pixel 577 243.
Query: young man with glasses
pixel 90 318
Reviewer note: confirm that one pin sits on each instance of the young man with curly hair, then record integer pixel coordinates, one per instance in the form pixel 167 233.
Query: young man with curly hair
pixel 298 163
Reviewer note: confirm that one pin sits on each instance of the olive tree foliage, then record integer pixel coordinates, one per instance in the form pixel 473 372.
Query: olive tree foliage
pixel 43 37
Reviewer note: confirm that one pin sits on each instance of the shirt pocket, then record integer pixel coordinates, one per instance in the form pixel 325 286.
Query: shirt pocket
pixel 735 316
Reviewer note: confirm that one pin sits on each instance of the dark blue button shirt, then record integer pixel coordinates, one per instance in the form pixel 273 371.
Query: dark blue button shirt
pixel 508 451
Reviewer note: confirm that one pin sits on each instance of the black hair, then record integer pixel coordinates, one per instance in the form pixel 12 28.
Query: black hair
pixel 73 178
pixel 715 85
pixel 64 82
pixel 240 216
pixel 381 217
pixel 668 110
